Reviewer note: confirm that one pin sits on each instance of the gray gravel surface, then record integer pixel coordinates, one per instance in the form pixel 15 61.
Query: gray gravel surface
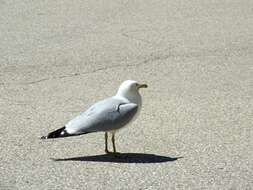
pixel 59 57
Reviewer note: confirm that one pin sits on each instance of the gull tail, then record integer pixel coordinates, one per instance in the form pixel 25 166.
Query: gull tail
pixel 56 134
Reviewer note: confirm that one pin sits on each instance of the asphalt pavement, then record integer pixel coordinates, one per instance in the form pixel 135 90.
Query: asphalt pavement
pixel 195 130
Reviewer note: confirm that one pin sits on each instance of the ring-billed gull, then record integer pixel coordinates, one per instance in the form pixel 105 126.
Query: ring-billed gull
pixel 108 115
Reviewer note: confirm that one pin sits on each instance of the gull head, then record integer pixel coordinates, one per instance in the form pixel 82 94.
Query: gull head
pixel 130 89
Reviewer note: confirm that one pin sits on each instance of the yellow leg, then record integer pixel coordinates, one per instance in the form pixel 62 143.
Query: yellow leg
pixel 106 143
pixel 113 143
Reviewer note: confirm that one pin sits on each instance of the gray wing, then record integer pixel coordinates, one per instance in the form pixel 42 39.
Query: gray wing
pixel 109 114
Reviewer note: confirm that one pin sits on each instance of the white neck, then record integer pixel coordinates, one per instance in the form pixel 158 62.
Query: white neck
pixel 132 96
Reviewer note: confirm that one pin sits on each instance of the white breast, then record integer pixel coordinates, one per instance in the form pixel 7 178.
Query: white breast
pixel 133 98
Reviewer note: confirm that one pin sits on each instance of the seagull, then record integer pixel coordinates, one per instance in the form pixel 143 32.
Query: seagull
pixel 108 115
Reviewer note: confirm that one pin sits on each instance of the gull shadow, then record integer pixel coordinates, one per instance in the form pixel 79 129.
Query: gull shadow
pixel 122 158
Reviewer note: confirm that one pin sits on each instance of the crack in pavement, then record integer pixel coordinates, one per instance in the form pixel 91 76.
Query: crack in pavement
pixel 150 59
pixel 89 72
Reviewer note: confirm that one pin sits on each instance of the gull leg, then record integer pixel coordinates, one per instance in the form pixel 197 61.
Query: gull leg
pixel 113 143
pixel 106 143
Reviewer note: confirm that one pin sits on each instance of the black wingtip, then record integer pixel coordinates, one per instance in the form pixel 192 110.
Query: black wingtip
pixel 56 134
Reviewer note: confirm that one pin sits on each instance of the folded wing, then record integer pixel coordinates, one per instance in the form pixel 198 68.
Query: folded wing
pixel 107 115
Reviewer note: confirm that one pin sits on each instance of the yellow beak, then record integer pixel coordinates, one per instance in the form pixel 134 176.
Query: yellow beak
pixel 142 86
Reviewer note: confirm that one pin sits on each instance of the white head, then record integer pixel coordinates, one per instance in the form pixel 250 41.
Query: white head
pixel 129 89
